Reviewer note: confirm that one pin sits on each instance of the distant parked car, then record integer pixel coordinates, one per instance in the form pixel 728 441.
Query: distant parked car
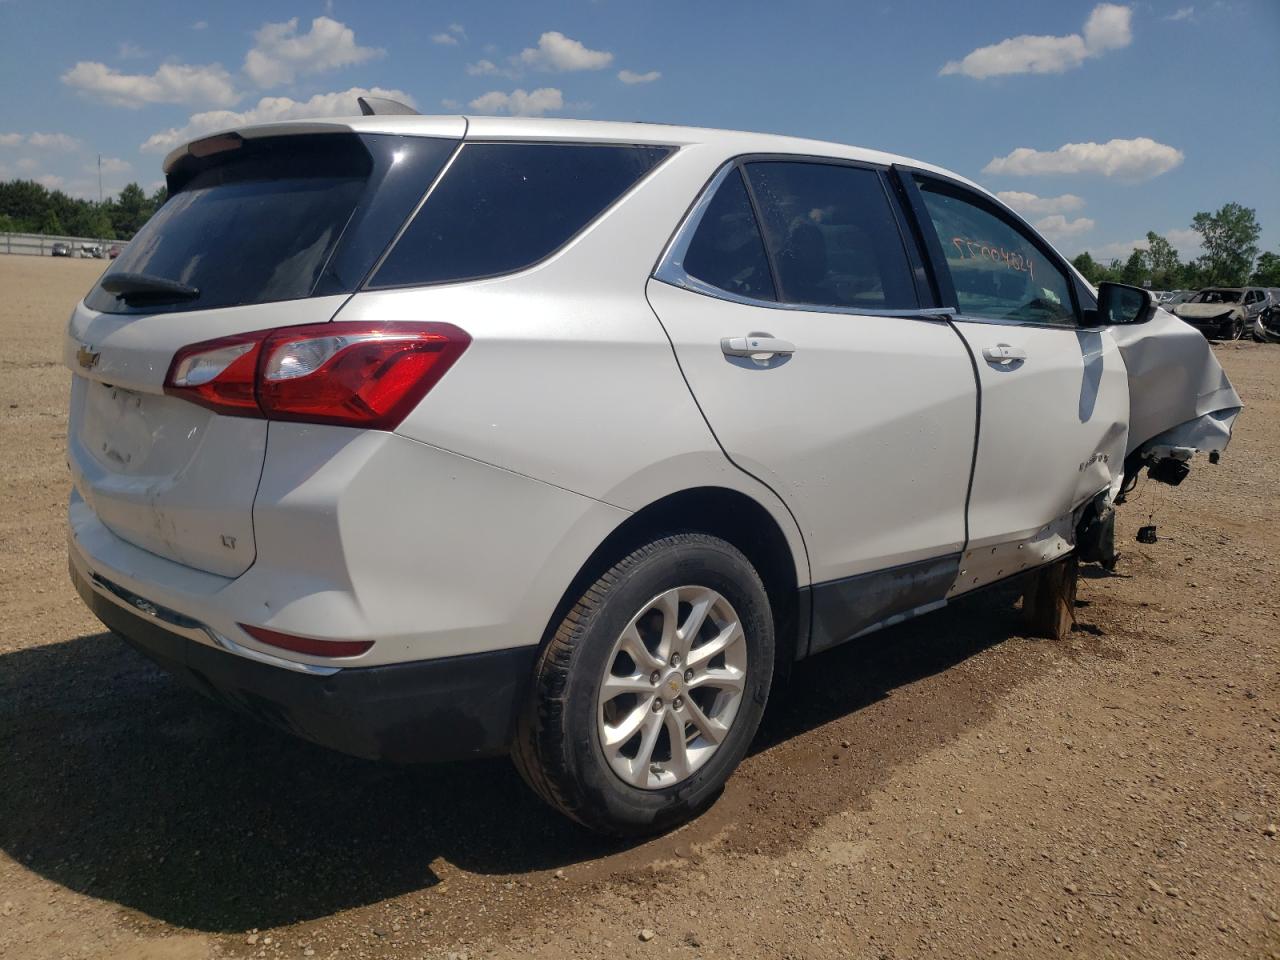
pixel 62 249
pixel 1266 328
pixel 114 250
pixel 91 251
pixel 1223 313
pixel 1176 297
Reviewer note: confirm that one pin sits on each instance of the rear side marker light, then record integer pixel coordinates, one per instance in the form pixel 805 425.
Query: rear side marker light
pixel 348 374
pixel 308 645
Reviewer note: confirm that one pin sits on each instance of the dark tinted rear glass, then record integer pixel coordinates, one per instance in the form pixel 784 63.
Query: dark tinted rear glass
pixel 727 251
pixel 278 218
pixel 832 235
pixel 501 207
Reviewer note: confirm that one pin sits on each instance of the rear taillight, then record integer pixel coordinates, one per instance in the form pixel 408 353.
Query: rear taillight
pixel 350 374
pixel 308 645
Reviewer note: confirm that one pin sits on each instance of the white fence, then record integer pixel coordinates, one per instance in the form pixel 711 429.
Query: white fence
pixel 40 245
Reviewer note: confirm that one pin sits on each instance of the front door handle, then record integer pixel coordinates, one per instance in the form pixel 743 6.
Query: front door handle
pixel 756 345
pixel 1004 354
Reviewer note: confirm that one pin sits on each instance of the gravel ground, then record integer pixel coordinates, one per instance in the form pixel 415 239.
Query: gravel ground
pixel 946 788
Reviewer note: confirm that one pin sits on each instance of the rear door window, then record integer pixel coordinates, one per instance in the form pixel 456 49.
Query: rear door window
pixel 832 235
pixel 727 250
pixel 279 218
pixel 501 207
pixel 999 271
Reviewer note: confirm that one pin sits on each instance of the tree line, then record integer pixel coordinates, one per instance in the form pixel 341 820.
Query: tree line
pixel 1229 239
pixel 30 207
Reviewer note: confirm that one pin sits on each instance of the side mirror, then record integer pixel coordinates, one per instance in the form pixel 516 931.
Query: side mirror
pixel 1119 303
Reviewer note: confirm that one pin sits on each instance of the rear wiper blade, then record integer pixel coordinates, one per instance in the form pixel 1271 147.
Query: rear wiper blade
pixel 144 288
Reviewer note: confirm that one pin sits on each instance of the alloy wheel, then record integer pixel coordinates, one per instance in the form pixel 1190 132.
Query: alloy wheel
pixel 671 688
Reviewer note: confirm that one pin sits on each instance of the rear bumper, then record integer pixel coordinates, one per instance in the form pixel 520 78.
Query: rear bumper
pixel 444 709
pixel 363 535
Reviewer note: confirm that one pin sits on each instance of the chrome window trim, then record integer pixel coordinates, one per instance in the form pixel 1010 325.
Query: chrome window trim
pixel 670 269
pixel 1010 322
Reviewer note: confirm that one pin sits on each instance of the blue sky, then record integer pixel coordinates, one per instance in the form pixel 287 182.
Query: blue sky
pixel 1099 121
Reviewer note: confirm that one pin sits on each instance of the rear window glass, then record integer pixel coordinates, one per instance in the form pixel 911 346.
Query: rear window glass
pixel 727 251
pixel 832 235
pixel 262 220
pixel 501 207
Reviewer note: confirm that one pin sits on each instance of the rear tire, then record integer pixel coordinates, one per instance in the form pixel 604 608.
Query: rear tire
pixel 569 744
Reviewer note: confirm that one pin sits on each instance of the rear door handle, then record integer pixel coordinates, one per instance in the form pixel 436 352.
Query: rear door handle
pixel 1003 354
pixel 755 345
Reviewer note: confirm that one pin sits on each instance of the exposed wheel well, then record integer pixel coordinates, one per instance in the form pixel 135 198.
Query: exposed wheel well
pixel 720 512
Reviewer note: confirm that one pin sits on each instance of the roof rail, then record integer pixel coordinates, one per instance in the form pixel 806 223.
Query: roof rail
pixel 379 106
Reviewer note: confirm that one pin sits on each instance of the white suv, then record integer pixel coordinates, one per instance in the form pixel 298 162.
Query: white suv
pixel 435 437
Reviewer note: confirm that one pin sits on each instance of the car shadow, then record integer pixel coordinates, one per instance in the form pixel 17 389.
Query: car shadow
pixel 118 782
pixel 864 671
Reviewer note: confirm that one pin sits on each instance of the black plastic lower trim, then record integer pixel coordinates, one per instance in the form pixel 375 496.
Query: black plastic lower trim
pixel 844 608
pixel 446 709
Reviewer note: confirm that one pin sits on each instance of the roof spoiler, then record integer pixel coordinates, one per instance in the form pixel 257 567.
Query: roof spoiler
pixel 381 106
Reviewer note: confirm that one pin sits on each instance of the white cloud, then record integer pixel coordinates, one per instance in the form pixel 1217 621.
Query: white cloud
pixel 270 109
pixel 631 77
pixel 171 83
pixel 52 141
pixel 1138 159
pixel 450 37
pixel 1186 242
pixel 1032 205
pixel 486 68
pixel 130 51
pixel 50 181
pixel 520 103
pixel 200 25
pixel 1057 227
pixel 451 104
pixel 110 165
pixel 41 141
pixel 1182 13
pixel 1183 240
pixel 1108 28
pixel 560 54
pixel 281 53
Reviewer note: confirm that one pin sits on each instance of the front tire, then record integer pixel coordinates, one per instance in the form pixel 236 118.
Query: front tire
pixel 650 691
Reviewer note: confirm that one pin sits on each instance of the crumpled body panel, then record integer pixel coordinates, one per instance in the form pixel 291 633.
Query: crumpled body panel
pixel 1206 311
pixel 1179 395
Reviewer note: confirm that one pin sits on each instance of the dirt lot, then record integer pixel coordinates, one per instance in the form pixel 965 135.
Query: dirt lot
pixel 949 788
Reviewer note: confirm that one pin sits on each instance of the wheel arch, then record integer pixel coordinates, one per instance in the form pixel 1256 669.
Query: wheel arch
pixel 733 516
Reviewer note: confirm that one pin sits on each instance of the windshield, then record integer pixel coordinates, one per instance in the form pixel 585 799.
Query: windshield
pixel 1217 296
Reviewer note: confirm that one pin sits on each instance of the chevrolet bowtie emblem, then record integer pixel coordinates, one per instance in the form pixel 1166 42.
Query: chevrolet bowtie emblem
pixel 87 358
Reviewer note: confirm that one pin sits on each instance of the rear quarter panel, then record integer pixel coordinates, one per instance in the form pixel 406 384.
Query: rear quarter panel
pixel 570 378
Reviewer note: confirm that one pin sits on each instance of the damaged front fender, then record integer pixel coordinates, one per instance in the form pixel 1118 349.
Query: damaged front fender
pixel 1180 400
